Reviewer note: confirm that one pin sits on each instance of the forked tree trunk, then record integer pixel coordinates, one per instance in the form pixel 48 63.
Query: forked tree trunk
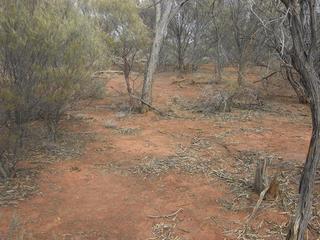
pixel 299 225
pixel 304 33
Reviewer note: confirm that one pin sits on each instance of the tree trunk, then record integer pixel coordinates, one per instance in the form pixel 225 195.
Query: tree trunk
pixel 152 65
pixel 302 16
pixel 7 166
pixel 126 72
pixel 242 65
pixel 194 56
pixel 299 225
pixel 180 60
pixel 261 176
pixel 241 73
pixel 127 80
pixel 297 87
pixel 218 68
pixel 163 11
pixel 3 171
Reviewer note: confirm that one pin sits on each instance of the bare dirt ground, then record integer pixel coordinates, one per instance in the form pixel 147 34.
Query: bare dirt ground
pixel 155 177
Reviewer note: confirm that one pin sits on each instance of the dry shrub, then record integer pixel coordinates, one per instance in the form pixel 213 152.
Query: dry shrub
pixel 246 98
pixel 95 89
pixel 8 152
pixel 212 101
pixel 11 136
pixel 16 230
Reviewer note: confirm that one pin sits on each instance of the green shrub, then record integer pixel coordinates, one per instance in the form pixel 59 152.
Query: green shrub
pixel 48 52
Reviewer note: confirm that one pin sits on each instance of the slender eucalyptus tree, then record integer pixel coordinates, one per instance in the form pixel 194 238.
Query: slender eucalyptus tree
pixel 165 10
pixel 303 27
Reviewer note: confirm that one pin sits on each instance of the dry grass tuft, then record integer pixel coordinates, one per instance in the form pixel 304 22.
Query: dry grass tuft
pixel 165 231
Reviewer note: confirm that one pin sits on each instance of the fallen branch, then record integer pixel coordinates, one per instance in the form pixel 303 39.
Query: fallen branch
pixel 149 105
pixel 144 102
pixel 201 83
pixel 108 71
pixel 116 90
pixel 267 77
pixel 262 195
pixel 153 108
pixel 179 81
pixel 141 100
pixel 167 216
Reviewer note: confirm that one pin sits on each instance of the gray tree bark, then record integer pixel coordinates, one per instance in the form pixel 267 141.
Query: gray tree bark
pixel 304 210
pixel 219 61
pixel 261 176
pixel 165 10
pixel 303 31
pixel 297 86
pixel 242 71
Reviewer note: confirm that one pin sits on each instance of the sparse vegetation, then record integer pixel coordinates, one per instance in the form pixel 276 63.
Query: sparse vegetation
pixel 222 151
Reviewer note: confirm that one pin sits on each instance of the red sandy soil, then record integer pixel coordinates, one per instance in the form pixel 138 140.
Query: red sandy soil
pixel 92 204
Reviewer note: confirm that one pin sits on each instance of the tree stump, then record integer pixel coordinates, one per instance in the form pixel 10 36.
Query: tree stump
pixel 261 176
pixel 274 189
pixel 261 181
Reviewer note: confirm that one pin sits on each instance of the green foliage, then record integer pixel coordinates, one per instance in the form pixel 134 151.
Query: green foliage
pixel 48 53
pixel 120 19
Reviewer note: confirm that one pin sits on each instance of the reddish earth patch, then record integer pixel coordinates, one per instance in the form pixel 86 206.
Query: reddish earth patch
pixel 79 201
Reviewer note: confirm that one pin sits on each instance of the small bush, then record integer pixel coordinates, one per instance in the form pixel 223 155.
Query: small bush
pixel 95 89
pixel 48 53
pixel 111 124
pixel 8 151
pixel 211 102
pixel 223 101
pixel 247 98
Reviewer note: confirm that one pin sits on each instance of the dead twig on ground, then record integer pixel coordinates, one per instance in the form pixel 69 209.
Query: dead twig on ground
pixel 256 208
pixel 116 90
pixel 174 214
pixel 144 102
pixel 266 77
pixel 179 81
pixel 149 105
